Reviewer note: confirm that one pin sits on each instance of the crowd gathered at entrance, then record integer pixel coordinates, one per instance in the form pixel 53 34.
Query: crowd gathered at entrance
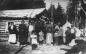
pixel 39 34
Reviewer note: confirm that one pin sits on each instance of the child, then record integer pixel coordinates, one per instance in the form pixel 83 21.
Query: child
pixel 34 40
pixel 41 37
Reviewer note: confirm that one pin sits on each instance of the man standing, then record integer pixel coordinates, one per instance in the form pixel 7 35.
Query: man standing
pixel 23 33
pixel 68 36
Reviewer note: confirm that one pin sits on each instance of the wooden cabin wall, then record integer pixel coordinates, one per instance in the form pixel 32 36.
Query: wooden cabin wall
pixel 4 34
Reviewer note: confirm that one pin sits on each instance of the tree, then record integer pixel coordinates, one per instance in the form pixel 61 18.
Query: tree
pixel 72 10
pixel 83 14
pixel 59 17
pixel 76 15
pixel 51 12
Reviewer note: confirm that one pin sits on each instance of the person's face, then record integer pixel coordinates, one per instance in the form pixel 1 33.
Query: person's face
pixel 68 28
pixel 12 23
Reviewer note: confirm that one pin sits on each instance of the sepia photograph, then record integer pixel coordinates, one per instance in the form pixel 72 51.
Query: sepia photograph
pixel 42 26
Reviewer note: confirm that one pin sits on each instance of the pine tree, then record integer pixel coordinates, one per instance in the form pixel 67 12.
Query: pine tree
pixel 82 14
pixel 59 15
pixel 75 15
pixel 71 10
pixel 51 12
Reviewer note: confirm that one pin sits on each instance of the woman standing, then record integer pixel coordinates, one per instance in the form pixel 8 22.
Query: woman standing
pixel 12 33
pixel 60 36
pixel 68 36
pixel 49 38
pixel 56 38
pixel 41 37
pixel 34 42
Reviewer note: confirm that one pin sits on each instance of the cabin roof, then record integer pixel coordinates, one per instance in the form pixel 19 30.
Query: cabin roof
pixel 30 13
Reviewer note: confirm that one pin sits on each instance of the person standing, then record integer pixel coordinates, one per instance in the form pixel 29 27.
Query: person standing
pixel 34 41
pixel 41 37
pixel 55 38
pixel 31 28
pixel 23 33
pixel 60 36
pixel 72 34
pixel 68 36
pixel 49 38
pixel 12 33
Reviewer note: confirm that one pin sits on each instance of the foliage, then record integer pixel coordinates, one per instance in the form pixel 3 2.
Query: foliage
pixel 60 16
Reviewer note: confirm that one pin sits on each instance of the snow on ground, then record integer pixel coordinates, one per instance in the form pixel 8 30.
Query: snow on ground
pixel 49 50
pixel 44 49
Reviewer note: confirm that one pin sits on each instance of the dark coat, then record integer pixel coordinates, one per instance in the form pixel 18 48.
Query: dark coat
pixel 13 31
pixel 23 34
pixel 23 29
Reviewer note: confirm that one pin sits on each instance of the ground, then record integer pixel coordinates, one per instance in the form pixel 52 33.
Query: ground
pixel 7 48
pixel 44 49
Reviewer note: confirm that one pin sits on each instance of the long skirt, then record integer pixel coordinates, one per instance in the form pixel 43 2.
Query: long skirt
pixel 55 40
pixel 69 38
pixel 12 38
pixel 60 40
pixel 34 41
pixel 23 39
pixel 49 38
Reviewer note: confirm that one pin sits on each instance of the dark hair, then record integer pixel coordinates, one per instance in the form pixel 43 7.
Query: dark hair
pixel 11 23
pixel 72 25
pixel 68 27
pixel 33 32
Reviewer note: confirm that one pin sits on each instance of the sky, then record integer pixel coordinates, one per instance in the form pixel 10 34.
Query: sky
pixel 63 3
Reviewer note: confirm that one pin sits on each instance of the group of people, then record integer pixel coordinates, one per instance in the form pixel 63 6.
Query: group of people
pixel 29 34
pixel 18 34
